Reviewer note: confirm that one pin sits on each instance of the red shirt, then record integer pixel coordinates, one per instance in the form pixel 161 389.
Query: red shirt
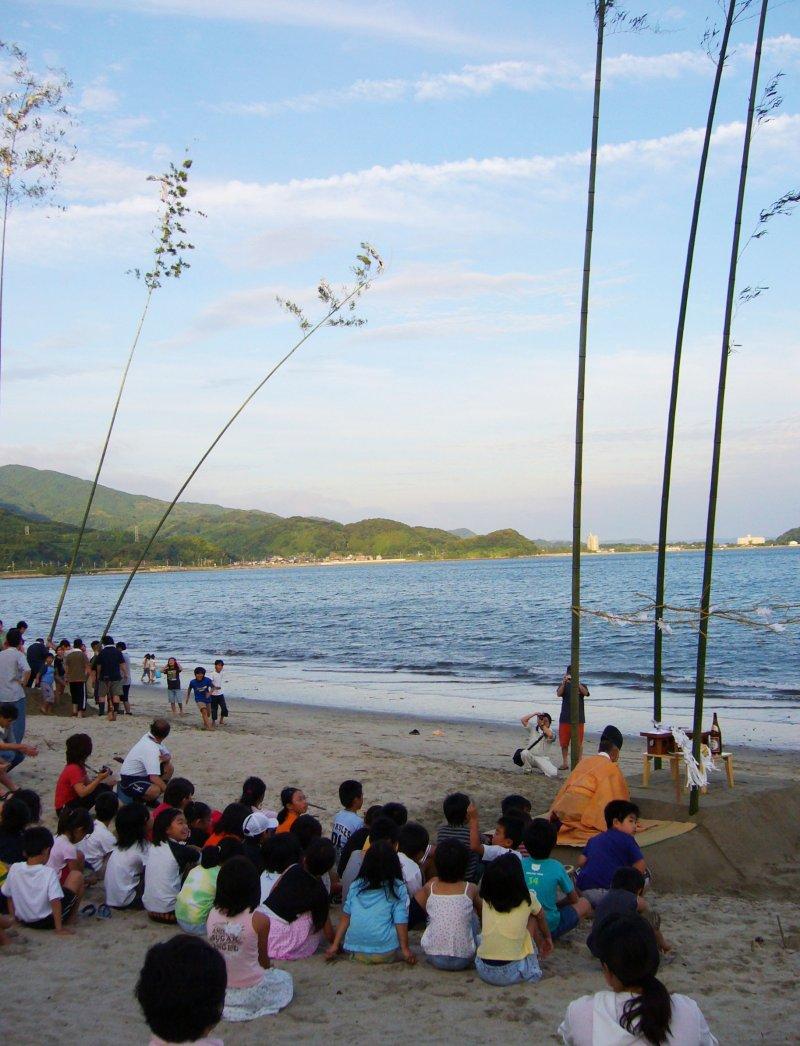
pixel 71 775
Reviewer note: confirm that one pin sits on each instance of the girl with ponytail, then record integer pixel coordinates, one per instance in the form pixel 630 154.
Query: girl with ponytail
pixel 636 1007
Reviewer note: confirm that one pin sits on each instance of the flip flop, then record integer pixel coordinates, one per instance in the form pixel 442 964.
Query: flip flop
pixel 103 911
pixel 89 910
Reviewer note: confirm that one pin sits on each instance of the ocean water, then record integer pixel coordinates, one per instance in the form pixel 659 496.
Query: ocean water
pixel 449 633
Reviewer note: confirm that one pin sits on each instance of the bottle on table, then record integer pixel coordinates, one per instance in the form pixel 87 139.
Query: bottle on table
pixel 715 737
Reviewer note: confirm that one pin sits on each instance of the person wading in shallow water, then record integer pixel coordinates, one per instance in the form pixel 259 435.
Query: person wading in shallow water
pixel 565 718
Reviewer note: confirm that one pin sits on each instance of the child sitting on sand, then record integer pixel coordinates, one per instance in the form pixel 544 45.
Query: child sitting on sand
pixel 239 929
pixel 546 877
pixel 201 686
pixel 450 904
pixel 279 852
pixel 511 914
pixel 191 1014
pixel 374 920
pixel 625 898
pixel 196 898
pixel 455 807
pixel 198 817
pixel 168 861
pixel 124 878
pixel 97 846
pixel 612 849
pixel 348 819
pixel 412 849
pixel 635 1007
pixel 65 858
pixel 506 838
pixel 35 896
pixel 298 905
pixel 293 805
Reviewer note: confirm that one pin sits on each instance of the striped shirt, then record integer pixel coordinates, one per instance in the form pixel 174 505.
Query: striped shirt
pixel 460 833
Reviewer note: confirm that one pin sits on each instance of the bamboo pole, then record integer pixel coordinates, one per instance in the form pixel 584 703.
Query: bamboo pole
pixel 708 559
pixel 575 638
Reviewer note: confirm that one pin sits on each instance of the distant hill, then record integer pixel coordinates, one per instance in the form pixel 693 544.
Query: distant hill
pixel 50 504
pixel 462 532
pixel 787 536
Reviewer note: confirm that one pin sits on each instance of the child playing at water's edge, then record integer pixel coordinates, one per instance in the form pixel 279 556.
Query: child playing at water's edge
pixel 201 686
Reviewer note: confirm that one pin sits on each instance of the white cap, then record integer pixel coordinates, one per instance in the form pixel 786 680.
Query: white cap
pixel 256 824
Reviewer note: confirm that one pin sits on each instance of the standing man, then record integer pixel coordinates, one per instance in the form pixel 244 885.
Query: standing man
pixel 109 671
pixel 76 672
pixel 36 653
pixel 565 718
pixel 14 675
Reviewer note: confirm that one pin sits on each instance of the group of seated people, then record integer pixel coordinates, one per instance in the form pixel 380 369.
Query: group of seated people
pixel 249 886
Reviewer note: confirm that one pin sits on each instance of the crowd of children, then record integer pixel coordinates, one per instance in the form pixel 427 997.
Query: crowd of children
pixel 249 886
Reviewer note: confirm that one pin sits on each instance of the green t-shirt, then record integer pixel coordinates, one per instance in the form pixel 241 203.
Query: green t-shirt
pixel 196 898
pixel 545 879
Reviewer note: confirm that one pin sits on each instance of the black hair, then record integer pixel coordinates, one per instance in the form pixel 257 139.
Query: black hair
pixel 162 823
pixel 36 840
pixel 627 947
pixel 548 716
pixel 32 801
pixel 516 804
pixel 287 794
pixel 14 636
pixel 383 828
pixel 106 806
pixel 9 711
pixel 219 661
pixel 253 792
pixel 108 640
pixel 540 837
pixel 14 816
pixel 79 748
pixel 397 812
pixel 503 885
pixel 413 839
pixel 349 791
pixel 455 808
pixel 280 851
pixel 177 790
pixel 320 857
pixel 238 887
pixel 232 820
pixel 630 879
pixel 194 811
pixel 451 860
pixel 300 891
pixel 618 810
pixel 122 646
pixel 213 856
pixel 199 669
pixel 306 828
pixel 160 728
pixel 72 819
pixel 131 825
pixel 185 1015
pixel 514 828
pixel 77 641
pixel 372 812
pixel 380 868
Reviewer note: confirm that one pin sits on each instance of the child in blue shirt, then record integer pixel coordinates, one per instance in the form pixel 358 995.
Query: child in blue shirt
pixel 612 849
pixel 374 920
pixel 201 686
pixel 545 877
pixel 47 678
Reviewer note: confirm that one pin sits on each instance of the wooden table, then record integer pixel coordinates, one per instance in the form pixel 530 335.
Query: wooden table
pixel 675 759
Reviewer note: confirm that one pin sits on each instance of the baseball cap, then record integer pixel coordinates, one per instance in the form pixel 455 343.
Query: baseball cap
pixel 256 824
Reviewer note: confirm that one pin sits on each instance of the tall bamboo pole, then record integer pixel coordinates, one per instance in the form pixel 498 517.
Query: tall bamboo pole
pixel 575 659
pixel 661 565
pixel 705 602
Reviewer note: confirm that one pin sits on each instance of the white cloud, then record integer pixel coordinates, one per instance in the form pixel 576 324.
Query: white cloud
pixel 98 98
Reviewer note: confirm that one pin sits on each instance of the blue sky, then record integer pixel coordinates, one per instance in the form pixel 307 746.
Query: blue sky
pixel 454 138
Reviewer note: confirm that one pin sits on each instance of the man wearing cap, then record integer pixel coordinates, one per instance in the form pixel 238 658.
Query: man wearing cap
pixel 582 799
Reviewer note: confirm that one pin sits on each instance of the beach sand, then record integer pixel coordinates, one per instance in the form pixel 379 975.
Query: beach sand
pixel 720 888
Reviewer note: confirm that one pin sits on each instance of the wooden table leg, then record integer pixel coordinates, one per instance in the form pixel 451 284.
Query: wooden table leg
pixel 646 771
pixel 676 775
pixel 728 760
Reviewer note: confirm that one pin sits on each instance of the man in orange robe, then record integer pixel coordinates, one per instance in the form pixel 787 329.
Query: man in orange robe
pixel 583 797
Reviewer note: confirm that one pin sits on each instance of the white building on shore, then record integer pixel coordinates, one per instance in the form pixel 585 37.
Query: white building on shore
pixel 593 543
pixel 751 539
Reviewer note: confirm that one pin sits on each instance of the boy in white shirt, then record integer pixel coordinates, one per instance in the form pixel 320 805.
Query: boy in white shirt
pixel 35 896
pixel 218 705
pixel 97 846
pixel 506 838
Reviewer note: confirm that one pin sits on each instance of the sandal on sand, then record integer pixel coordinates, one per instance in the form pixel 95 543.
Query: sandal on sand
pixel 103 911
pixel 88 910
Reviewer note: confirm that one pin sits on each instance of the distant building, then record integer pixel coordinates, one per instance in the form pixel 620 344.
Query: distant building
pixel 751 539
pixel 593 543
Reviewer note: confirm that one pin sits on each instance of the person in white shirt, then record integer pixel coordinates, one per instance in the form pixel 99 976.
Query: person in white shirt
pixel 506 838
pixel 124 878
pixel 97 846
pixel 147 768
pixel 35 896
pixel 541 740
pixel 218 704
pixel 413 849
pixel 15 673
pixel 636 1007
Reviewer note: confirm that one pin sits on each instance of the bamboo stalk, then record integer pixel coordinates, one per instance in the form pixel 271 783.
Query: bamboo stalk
pixel 658 638
pixel 575 638
pixel 708 558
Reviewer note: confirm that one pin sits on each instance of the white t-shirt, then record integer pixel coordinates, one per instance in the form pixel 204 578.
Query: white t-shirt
pixel 32 887
pixel 94 847
pixel 125 667
pixel 123 871
pixel 344 824
pixel 162 879
pixel 544 746
pixel 593 1020
pixel 61 851
pixel 412 874
pixel 143 760
pixel 492 852
pixel 218 681
pixel 13 666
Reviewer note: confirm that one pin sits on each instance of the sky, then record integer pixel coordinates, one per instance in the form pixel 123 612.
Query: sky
pixel 454 137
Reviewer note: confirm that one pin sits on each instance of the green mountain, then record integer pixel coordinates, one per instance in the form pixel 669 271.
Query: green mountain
pixel 787 536
pixel 50 504
pixel 462 532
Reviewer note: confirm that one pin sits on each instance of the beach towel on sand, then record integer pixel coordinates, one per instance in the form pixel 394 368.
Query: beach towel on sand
pixel 583 797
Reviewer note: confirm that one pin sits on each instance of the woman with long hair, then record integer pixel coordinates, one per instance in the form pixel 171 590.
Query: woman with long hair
pixel 75 788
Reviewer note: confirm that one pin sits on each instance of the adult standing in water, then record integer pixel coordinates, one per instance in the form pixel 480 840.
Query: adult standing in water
pixel 565 718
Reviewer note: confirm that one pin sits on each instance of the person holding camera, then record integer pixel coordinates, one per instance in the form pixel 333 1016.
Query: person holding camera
pixel 540 744
pixel 75 788
pixel 565 717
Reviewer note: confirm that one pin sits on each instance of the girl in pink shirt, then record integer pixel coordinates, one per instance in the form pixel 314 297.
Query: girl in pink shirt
pixel 73 826
pixel 239 929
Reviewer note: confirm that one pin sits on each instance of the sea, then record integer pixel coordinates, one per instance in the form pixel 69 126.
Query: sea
pixel 484 640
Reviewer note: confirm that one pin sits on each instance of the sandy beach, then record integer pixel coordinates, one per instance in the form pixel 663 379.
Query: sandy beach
pixel 720 888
